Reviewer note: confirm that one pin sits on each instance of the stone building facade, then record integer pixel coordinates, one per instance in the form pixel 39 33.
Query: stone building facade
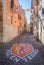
pixel 41 21
pixel 13 19
pixel 1 21
pixel 34 17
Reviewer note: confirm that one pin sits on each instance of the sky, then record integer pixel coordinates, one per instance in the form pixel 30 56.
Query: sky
pixel 26 4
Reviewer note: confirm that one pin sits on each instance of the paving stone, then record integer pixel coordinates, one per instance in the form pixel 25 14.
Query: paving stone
pixel 24 38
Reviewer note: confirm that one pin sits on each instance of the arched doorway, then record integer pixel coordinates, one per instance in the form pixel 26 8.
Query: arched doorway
pixel 1 21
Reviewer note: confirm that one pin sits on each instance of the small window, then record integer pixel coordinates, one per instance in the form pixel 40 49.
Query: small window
pixel 11 19
pixel 42 11
pixel 12 3
pixel 19 16
pixel 15 21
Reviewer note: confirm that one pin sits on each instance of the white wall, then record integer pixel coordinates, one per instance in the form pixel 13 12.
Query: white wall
pixel 41 24
pixel 43 32
pixel 39 31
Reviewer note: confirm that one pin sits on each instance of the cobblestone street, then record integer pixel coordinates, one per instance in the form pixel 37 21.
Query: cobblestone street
pixel 35 57
pixel 22 32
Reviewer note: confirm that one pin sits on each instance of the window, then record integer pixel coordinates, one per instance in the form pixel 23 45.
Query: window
pixel 19 16
pixel 12 3
pixel 11 19
pixel 43 11
pixel 15 21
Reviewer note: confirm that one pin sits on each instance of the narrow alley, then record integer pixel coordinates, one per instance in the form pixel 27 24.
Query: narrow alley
pixel 21 32
pixel 29 52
